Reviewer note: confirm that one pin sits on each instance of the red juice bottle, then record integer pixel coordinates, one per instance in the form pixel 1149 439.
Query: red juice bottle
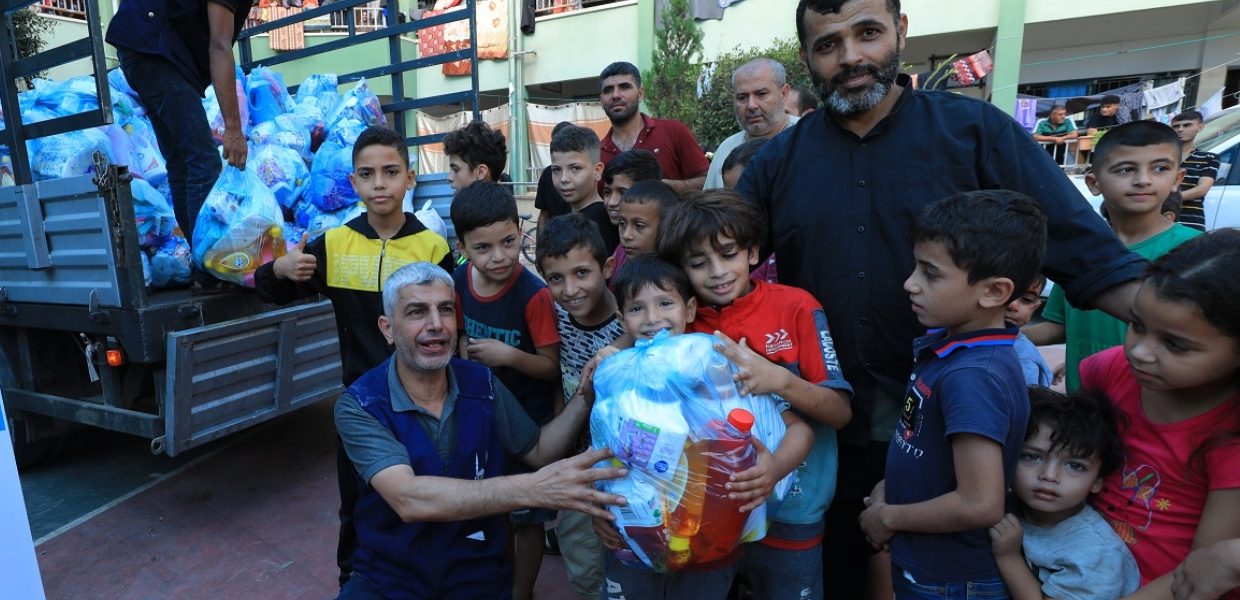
pixel 730 451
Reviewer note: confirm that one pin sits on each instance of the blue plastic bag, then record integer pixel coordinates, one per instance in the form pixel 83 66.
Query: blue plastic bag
pixel 153 215
pixel 659 408
pixel 235 231
pixel 321 87
pixel 282 170
pixel 69 154
pixel 171 263
pixel 266 95
pixel 360 104
pixel 314 221
pixel 329 188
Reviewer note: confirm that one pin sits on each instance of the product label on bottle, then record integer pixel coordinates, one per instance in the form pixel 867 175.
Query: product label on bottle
pixel 650 448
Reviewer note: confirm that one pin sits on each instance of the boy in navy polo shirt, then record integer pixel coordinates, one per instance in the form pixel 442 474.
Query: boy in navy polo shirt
pixel 508 319
pixel 778 337
pixel 962 425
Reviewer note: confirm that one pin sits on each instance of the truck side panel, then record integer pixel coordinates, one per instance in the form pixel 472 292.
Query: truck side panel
pixel 229 376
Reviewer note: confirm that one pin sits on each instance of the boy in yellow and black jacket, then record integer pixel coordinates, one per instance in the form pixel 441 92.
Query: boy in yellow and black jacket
pixel 349 265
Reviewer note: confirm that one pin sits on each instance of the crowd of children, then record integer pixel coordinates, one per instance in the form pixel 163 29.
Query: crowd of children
pixel 995 485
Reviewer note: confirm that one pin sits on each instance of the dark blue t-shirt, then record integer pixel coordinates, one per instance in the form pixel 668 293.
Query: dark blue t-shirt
pixel 969 383
pixel 521 315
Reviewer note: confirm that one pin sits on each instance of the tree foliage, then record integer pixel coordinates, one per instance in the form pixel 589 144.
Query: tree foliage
pixel 715 118
pixel 29 30
pixel 671 82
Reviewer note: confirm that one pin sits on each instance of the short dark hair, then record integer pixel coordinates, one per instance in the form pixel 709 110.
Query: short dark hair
pixel 1081 424
pixel 637 165
pixel 807 100
pixel 705 216
pixel 1134 134
pixel 742 154
pixel 478 144
pixel 829 7
pixel 1059 107
pixel 563 233
pixel 988 233
pixel 1189 115
pixel 1109 99
pixel 648 269
pixel 1173 204
pixel 480 204
pixel 560 127
pixel 655 191
pixel 576 139
pixel 378 135
pixel 621 68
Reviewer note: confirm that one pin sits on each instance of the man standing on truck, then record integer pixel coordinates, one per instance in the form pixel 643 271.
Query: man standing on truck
pixel 430 436
pixel 170 51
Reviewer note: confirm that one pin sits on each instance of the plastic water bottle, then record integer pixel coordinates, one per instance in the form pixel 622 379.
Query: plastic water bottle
pixel 730 451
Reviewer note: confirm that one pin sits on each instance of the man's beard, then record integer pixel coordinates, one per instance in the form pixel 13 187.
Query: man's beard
pixel 622 117
pixel 851 103
pixel 407 354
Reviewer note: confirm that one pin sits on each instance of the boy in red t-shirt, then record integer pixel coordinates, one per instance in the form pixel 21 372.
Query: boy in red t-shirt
pixel 777 335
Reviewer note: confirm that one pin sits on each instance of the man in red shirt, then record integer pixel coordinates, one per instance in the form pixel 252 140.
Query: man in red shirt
pixel 681 158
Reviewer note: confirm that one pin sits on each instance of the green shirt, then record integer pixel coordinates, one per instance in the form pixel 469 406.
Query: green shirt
pixel 1045 127
pixel 1092 331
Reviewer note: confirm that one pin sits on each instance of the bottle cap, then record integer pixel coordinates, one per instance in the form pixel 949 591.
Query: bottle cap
pixel 741 419
pixel 678 544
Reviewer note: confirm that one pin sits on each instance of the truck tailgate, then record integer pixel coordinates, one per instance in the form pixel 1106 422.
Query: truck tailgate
pixel 231 375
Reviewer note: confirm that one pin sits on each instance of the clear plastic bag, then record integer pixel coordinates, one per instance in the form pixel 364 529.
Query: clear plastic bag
pixel 360 104
pixel 240 227
pixel 216 118
pixel 432 220
pixel 282 170
pixel 670 412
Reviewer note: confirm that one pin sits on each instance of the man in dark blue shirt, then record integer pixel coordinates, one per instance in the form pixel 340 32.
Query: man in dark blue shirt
pixel 840 190
pixel 170 51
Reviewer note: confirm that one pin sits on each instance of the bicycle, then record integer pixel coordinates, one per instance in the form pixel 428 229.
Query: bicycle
pixel 529 237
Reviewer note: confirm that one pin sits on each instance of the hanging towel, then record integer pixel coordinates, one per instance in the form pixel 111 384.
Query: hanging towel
pixel 1027 113
pixel 1164 95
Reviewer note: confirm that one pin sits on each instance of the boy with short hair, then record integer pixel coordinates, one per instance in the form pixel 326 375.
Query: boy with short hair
pixel 1200 169
pixel 953 454
pixel 623 172
pixel 1019 312
pixel 508 319
pixel 576 170
pixel 1107 116
pixel 547 199
pixel 1172 206
pixel 576 266
pixel 779 338
pixel 642 209
pixel 343 265
pixel 1135 169
pixel 654 296
pixel 475 153
pixel 733 167
pixel 1069 550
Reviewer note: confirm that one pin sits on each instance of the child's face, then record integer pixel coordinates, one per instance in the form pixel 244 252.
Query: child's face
pixel 579 283
pixel 940 291
pixel 460 174
pixel 732 176
pixel 1020 310
pixel 653 309
pixel 613 193
pixel 381 177
pixel 639 224
pixel 1172 347
pixel 1187 129
pixel 575 176
pixel 1108 110
pixel 719 276
pixel 1052 484
pixel 1136 179
pixel 492 250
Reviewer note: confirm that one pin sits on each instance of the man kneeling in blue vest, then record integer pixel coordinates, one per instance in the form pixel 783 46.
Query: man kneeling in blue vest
pixel 429 436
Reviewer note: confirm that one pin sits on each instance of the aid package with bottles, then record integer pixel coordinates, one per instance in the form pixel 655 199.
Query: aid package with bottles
pixel 670 411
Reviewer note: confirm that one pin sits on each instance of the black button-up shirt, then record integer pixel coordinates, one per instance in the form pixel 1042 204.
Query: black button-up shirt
pixel 839 209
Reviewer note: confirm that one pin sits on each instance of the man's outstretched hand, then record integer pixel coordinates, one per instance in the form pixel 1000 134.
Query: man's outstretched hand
pixel 568 484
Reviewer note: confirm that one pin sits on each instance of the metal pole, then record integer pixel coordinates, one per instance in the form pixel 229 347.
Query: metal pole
pixel 518 127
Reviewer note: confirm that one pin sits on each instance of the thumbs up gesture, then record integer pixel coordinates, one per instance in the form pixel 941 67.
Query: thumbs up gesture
pixel 296 265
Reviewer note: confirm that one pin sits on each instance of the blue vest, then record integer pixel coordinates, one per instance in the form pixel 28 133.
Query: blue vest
pixel 458 559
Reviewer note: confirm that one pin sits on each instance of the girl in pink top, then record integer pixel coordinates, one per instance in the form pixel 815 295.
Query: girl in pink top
pixel 1177 379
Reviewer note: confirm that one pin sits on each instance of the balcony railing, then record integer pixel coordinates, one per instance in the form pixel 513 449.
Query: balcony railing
pixel 555 7
pixel 365 18
pixel 70 9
